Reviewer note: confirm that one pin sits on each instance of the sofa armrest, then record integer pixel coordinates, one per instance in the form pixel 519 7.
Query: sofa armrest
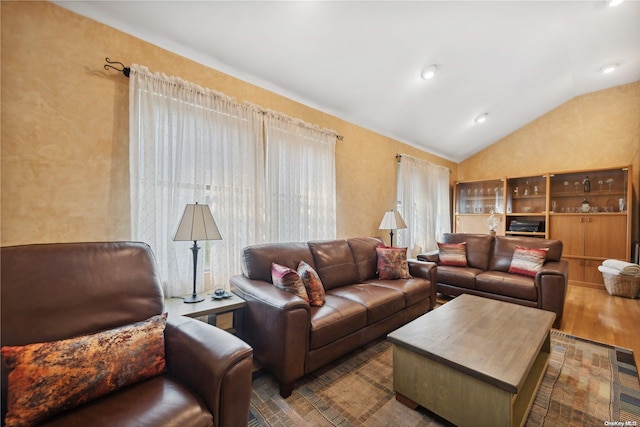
pixel 277 324
pixel 551 282
pixel 432 256
pixel 426 270
pixel 214 364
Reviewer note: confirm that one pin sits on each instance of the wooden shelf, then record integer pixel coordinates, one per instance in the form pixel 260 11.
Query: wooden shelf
pixel 526 233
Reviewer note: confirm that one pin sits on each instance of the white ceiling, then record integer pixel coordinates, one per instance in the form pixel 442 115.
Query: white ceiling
pixel 361 61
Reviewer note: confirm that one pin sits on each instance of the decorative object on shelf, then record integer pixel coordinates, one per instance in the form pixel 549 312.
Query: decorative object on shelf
pixel 392 220
pixel 492 222
pixel 197 223
pixel 587 184
pixel 610 183
pixel 585 207
pixel 621 205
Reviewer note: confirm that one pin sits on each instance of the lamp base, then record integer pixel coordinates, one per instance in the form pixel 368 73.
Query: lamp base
pixel 193 298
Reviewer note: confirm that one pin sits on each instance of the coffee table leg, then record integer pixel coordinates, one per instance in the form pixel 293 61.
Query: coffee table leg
pixel 406 401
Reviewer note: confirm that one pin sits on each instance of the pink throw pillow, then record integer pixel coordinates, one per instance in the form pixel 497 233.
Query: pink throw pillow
pixel 288 279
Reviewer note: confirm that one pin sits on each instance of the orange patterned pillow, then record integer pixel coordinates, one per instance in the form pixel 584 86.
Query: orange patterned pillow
pixel 392 263
pixel 312 283
pixel 48 378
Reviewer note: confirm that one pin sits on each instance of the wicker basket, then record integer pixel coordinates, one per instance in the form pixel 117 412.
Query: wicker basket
pixel 621 285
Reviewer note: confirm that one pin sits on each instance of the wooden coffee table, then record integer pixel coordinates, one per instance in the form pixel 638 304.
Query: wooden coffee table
pixel 474 361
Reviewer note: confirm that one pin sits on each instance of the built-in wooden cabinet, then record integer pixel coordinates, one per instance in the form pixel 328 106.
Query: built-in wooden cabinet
pixel 587 210
pixel 592 220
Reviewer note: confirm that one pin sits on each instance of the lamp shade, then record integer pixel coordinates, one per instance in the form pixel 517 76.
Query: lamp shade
pixel 197 223
pixel 392 220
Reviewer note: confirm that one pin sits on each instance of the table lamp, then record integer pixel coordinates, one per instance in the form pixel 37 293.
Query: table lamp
pixel 197 223
pixel 392 220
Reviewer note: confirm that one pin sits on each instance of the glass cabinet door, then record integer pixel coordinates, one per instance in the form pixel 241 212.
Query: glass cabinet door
pixel 480 197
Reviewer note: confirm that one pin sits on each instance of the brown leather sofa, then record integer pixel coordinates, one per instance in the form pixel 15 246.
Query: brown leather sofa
pixel 57 291
pixel 290 337
pixel 487 273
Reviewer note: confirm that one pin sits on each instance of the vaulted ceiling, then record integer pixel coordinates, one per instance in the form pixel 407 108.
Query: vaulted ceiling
pixel 362 61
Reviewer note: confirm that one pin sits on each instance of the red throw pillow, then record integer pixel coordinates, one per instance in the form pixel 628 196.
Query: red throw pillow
pixel 312 284
pixel 392 263
pixel 453 254
pixel 288 279
pixel 527 261
pixel 48 378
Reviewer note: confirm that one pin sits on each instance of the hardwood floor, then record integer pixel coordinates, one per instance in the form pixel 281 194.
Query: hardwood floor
pixel 596 315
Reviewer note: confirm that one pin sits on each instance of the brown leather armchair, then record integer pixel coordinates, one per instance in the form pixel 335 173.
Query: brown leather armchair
pixel 57 291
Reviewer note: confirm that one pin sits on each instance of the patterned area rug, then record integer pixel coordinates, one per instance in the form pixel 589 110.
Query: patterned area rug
pixel 586 384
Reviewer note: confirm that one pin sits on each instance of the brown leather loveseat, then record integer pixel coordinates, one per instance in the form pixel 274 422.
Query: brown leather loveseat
pixel 54 292
pixel 292 338
pixel 486 274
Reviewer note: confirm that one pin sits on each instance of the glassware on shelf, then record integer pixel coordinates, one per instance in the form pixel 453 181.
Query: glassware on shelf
pixel 576 184
pixel 610 182
pixel 566 186
pixel 600 182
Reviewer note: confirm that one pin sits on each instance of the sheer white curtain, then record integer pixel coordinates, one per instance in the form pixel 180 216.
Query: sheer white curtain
pixel 300 180
pixel 190 144
pixel 423 202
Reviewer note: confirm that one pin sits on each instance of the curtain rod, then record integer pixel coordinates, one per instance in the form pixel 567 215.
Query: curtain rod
pixel 127 70
pixel 399 158
pixel 124 70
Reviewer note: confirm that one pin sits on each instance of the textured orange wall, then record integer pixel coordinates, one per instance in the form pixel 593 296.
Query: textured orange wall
pixel 596 130
pixel 65 131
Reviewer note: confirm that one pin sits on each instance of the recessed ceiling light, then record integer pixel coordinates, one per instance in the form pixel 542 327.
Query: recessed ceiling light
pixel 613 3
pixel 429 72
pixel 481 118
pixel 609 68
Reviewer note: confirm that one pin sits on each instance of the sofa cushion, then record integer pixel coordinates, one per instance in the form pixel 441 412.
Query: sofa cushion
pixel 337 318
pixel 507 284
pixel 415 289
pixel 365 256
pixel 504 247
pixel 392 263
pixel 288 279
pixel 312 284
pixel 527 261
pixel 452 254
pixel 334 263
pixel 48 378
pixel 380 302
pixel 464 277
pixel 479 247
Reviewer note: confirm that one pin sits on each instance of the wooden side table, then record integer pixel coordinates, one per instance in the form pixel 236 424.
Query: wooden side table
pixel 219 312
